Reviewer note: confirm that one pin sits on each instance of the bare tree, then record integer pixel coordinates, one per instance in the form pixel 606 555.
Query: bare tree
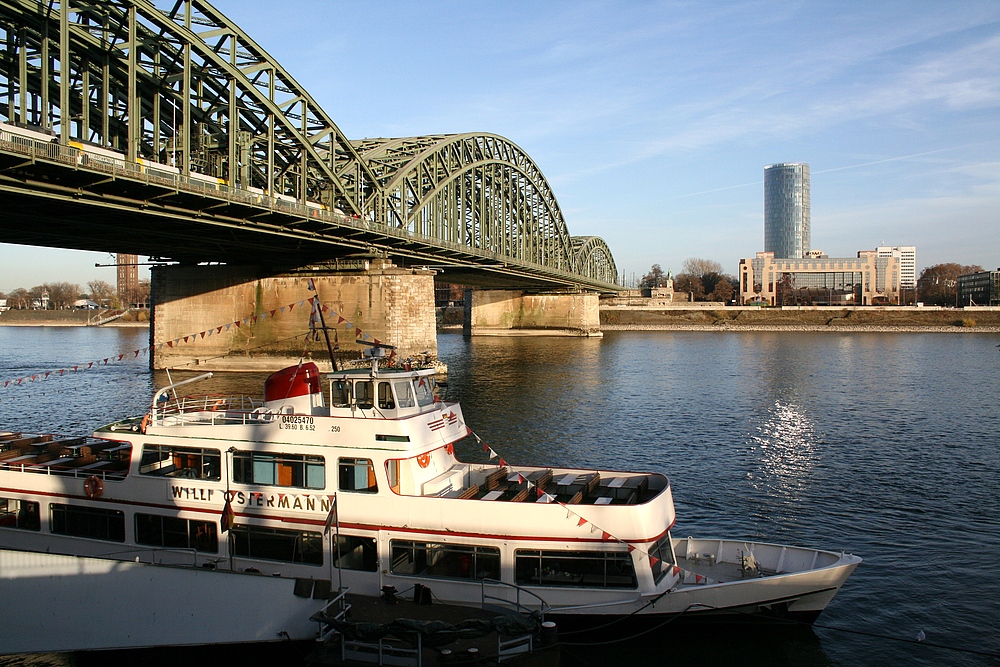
pixel 102 292
pixel 695 266
pixel 62 295
pixel 18 298
pixel 938 284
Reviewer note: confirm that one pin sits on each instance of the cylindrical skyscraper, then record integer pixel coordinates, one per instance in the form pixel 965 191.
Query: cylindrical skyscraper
pixel 786 209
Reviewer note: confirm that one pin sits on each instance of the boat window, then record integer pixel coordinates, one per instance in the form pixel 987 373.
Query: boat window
pixel 392 472
pixel 356 553
pixel 665 558
pixel 385 401
pixel 19 514
pixel 290 546
pixel 294 470
pixel 97 523
pixel 425 391
pixel 340 393
pixel 454 561
pixel 184 462
pixel 404 394
pixel 357 475
pixel 167 531
pixel 600 569
pixel 363 395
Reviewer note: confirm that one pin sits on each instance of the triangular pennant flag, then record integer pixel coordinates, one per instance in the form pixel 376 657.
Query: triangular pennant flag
pixel 282 309
pixel 493 454
pixel 521 479
pixel 698 578
pixel 254 319
pixel 170 343
pixel 631 548
pixel 486 447
pixel 675 571
pixel 90 365
pixel 538 492
pixel 203 335
pixel 377 341
pixel 653 560
pixel 357 332
pixel 121 356
pixel 502 462
pixel 340 320
pixel 186 338
pixel 263 316
pixel 290 306
pixel 605 535
pixel 581 522
pixel 365 336
pixel 219 329
pixel 228 325
pixel 106 361
pixel 273 312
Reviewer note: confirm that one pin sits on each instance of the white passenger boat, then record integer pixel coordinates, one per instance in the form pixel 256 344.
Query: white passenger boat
pixel 356 484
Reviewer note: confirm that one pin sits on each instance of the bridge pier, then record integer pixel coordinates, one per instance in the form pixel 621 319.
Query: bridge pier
pixel 244 318
pixel 519 312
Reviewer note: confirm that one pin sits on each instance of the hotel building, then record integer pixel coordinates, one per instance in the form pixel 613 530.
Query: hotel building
pixel 786 209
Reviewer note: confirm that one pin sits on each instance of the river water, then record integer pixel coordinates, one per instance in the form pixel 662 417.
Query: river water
pixel 880 444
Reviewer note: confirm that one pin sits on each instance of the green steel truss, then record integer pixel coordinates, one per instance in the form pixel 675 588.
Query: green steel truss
pixel 177 83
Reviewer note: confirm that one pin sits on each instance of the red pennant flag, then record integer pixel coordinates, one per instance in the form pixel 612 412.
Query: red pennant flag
pixel 676 570
pixel 120 357
pixel 538 492
pixel 170 343
pixel 48 373
pixel 502 462
pixel 273 312
pixel 698 578
pixel 486 447
pixel 90 365
pixel 34 377
pixel 653 560
pixel 324 308
pixel 605 535
pixel 186 338
pixel 581 522
pixel 520 478
pixel 357 332
pixel 218 330
pixel 340 320
pixel 203 335
pixel 631 548
pixel 290 306
pixel 377 341
pixel 254 319
pixel 106 361
pixel 76 368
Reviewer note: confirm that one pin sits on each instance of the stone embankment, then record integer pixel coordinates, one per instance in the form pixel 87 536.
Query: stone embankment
pixel 69 318
pixel 870 319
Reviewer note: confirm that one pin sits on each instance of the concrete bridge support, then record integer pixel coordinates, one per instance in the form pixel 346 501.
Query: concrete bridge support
pixel 517 312
pixel 244 318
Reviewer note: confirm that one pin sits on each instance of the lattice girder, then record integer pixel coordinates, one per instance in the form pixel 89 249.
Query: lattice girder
pixel 162 85
pixel 592 258
pixel 479 190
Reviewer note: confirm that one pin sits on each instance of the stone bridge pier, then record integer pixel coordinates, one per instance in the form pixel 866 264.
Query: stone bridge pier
pixel 521 312
pixel 244 318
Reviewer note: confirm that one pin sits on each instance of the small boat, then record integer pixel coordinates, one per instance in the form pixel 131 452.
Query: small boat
pixel 351 481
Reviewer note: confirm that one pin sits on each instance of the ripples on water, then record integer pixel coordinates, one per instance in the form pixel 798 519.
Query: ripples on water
pixel 879 444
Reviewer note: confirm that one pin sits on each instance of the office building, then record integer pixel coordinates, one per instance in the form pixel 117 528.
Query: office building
pixel 786 209
pixel 818 280
pixel 979 289
pixel 907 255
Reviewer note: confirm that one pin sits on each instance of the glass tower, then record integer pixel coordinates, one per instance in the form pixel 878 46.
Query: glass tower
pixel 786 209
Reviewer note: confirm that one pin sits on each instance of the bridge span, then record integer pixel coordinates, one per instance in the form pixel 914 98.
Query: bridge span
pixel 162 129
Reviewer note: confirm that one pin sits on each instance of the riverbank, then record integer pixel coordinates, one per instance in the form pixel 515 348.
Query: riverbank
pixel 868 319
pixel 69 318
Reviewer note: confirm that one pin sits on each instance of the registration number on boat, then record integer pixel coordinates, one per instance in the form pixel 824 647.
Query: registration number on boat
pixel 296 423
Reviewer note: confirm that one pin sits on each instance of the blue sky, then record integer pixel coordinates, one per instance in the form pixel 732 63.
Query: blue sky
pixel 653 120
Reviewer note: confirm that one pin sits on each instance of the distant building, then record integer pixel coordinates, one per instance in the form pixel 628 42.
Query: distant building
pixel 786 209
pixel 865 280
pixel 979 289
pixel 907 255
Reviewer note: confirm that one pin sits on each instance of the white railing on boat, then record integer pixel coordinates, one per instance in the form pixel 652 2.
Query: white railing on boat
pixel 487 599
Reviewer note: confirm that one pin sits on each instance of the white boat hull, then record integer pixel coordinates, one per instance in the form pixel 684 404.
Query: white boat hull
pixel 61 603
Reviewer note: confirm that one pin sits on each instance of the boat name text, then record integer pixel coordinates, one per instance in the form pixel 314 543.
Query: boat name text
pixel 291 501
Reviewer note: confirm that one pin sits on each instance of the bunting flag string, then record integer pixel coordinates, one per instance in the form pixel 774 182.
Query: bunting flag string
pixel 217 330
pixel 582 521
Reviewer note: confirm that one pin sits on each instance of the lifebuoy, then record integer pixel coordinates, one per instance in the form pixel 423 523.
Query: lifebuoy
pixel 93 487
pixel 144 424
pixel 423 460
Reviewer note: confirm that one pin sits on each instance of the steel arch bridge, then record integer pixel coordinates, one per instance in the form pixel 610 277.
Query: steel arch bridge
pixel 173 96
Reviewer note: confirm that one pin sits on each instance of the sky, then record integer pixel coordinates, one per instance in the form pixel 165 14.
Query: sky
pixel 653 121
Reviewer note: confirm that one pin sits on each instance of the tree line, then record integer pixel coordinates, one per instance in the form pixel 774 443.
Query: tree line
pixel 938 284
pixel 702 278
pixel 62 295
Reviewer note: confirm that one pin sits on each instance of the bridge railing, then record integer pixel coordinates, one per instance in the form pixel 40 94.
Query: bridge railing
pixel 154 173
